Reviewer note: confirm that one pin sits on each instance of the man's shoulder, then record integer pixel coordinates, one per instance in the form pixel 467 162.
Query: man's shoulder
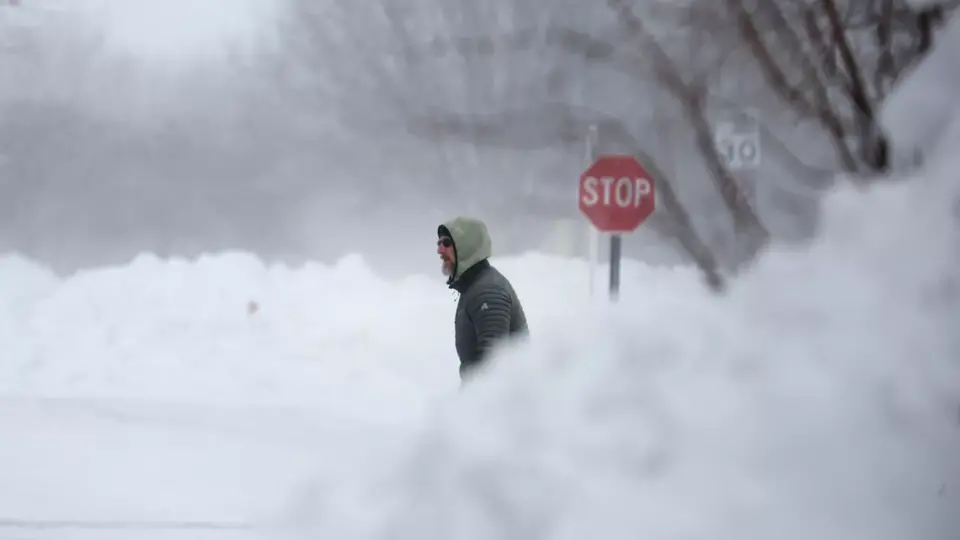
pixel 489 282
pixel 493 278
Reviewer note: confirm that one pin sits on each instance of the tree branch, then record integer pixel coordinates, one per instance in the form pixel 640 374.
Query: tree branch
pixel 692 99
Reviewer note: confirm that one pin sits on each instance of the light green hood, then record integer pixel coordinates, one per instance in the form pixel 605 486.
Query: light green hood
pixel 472 242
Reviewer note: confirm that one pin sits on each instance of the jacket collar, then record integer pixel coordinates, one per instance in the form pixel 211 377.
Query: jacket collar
pixel 469 276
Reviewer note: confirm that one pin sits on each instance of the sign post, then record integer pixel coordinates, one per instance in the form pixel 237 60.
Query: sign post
pixel 616 194
pixel 593 250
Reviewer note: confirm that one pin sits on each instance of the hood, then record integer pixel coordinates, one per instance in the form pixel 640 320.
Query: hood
pixel 472 241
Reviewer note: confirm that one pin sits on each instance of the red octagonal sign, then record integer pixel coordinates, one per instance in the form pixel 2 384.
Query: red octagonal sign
pixel 616 193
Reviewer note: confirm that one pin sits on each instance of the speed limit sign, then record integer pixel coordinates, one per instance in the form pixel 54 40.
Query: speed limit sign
pixel 739 151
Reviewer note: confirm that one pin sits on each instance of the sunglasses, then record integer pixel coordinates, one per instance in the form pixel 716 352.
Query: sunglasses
pixel 445 242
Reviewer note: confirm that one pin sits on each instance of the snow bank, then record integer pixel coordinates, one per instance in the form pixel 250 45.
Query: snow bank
pixel 223 329
pixel 228 329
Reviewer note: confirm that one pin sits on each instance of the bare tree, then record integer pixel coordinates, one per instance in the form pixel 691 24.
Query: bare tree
pixel 833 62
pixel 692 93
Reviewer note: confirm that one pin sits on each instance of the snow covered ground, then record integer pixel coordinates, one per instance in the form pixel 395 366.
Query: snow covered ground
pixel 819 399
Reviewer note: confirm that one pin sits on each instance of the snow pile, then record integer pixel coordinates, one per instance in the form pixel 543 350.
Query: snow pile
pixel 229 330
pixel 223 329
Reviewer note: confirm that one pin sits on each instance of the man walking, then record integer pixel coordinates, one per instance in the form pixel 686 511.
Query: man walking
pixel 489 310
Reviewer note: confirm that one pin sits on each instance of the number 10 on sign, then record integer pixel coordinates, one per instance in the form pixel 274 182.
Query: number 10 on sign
pixel 739 151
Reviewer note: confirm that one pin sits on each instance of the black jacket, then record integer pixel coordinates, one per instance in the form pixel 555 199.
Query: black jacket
pixel 487 312
pixel 489 309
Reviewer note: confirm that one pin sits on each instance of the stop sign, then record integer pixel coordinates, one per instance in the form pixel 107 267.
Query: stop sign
pixel 616 193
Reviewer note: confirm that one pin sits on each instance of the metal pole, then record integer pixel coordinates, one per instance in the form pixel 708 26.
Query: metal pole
pixel 593 234
pixel 616 245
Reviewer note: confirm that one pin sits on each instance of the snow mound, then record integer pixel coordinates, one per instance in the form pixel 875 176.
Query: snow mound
pixel 228 329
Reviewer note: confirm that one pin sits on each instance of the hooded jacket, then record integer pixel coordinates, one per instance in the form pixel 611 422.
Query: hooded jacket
pixel 488 310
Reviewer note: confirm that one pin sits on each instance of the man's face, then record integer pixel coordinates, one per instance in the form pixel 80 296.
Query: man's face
pixel 448 254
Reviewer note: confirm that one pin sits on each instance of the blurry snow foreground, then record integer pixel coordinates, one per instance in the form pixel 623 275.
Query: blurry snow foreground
pixel 819 399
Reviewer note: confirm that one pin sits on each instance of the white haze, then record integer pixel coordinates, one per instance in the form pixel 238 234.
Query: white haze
pixel 186 127
pixel 171 32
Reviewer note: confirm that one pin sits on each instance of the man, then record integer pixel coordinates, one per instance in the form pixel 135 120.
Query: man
pixel 488 310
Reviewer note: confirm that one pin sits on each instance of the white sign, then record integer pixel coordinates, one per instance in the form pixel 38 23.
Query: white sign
pixel 737 138
pixel 739 151
pixel 624 191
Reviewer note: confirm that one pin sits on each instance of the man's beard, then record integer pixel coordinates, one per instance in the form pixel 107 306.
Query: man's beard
pixel 446 267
